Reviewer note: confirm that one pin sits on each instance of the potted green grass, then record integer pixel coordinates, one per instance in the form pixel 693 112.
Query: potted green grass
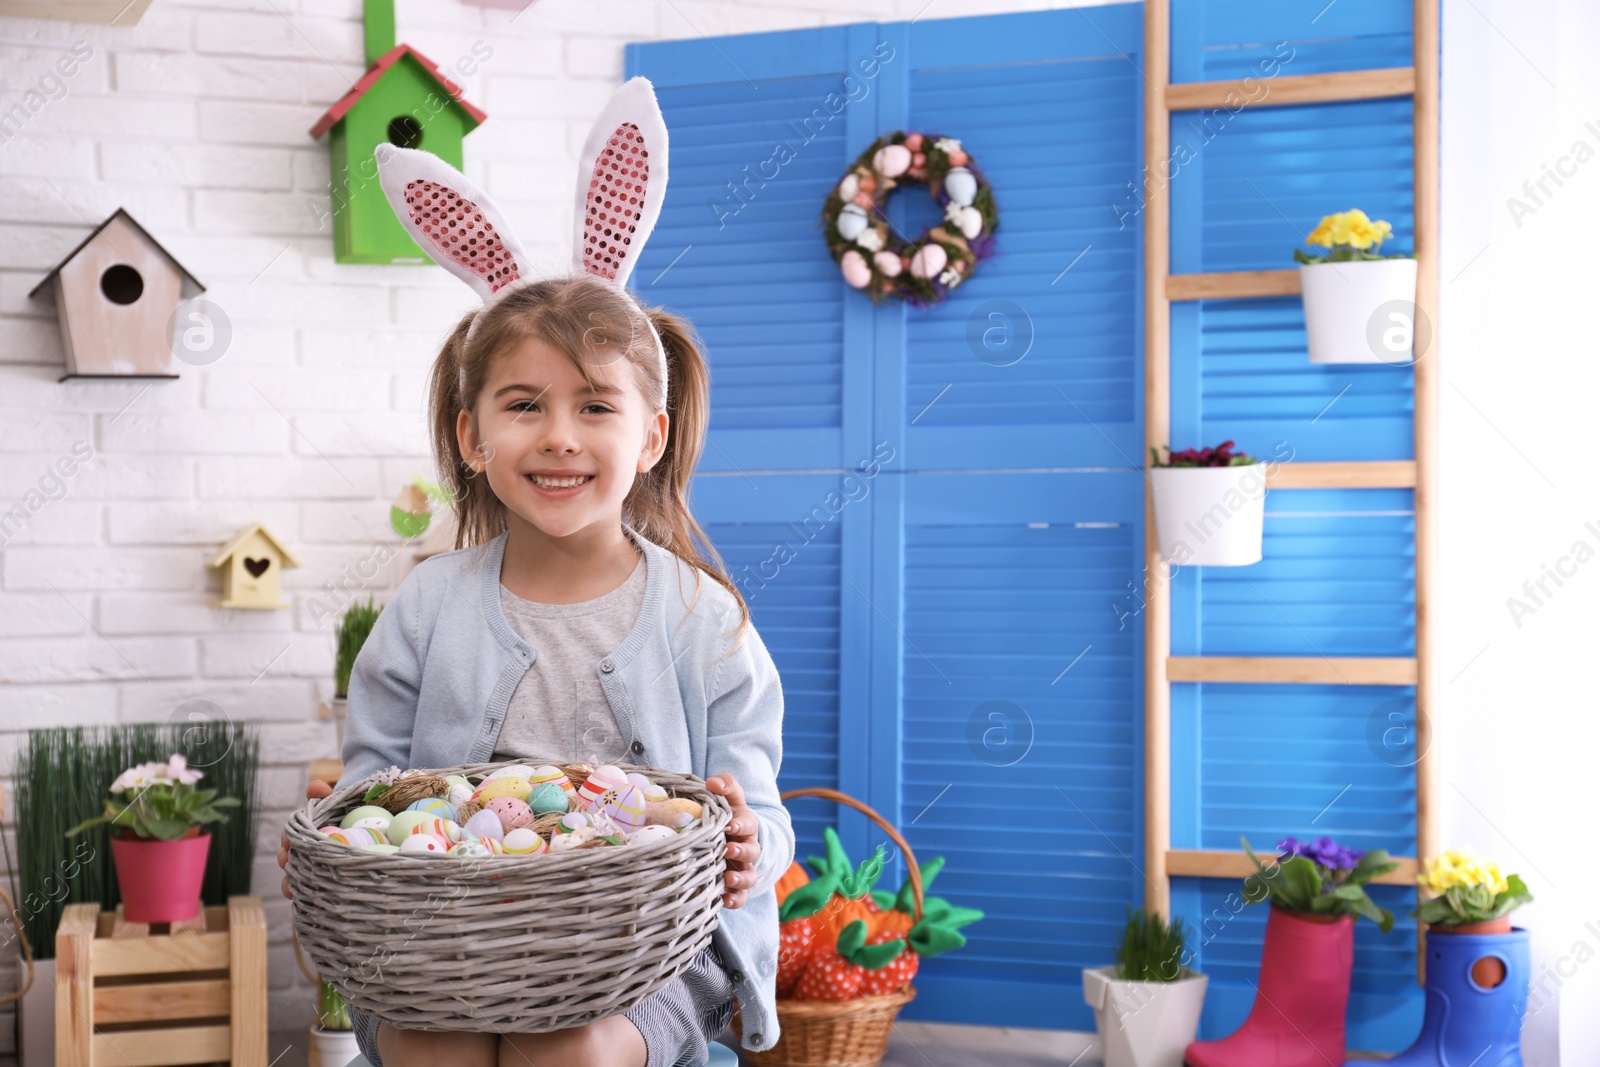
pixel 1147 1006
pixel 333 1041
pixel 352 632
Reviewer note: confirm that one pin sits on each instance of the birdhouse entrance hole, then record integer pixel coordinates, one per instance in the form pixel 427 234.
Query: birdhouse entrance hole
pixel 405 132
pixel 122 284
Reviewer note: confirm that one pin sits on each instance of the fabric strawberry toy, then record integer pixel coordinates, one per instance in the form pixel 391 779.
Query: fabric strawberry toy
pixel 937 932
pixel 797 929
pixel 840 971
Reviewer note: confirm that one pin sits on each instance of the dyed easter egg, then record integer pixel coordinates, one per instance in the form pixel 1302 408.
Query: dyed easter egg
pixel 547 797
pixel 366 811
pixel 357 836
pixel 516 770
pixel 960 185
pixel 441 828
pixel 511 812
pixel 485 824
pixel 401 825
pixel 852 221
pixel 606 776
pixel 524 842
pixel 493 845
pixel 970 222
pixel 439 809
pixel 929 260
pixel 849 186
pixel 457 779
pixel 625 806
pixel 892 160
pixel 460 793
pixel 469 847
pixel 384 849
pixel 888 264
pixel 423 843
pixel 571 821
pixel 854 269
pixel 645 835
pixel 554 776
pixel 666 812
pixel 517 788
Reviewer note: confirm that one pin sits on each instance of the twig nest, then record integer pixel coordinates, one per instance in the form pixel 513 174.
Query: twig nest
pixel 409 788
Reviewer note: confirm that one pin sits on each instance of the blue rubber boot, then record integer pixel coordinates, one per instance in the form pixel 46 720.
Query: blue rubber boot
pixel 1465 1023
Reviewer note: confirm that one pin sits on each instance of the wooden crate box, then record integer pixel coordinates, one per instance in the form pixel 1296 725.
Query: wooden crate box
pixel 133 995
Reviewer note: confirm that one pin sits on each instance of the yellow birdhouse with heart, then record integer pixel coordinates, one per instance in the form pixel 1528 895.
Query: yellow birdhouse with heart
pixel 252 563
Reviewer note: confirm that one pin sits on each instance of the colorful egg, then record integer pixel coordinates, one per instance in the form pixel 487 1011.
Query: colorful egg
pixel 384 849
pixel 511 812
pixel 889 265
pixel 516 770
pixel 960 185
pixel 441 828
pixel 460 793
pixel 401 825
pixel 366 811
pixel 666 812
pixel 457 779
pixel 970 222
pixel 645 835
pixel 439 809
pixel 485 824
pixel 571 821
pixel 892 160
pixel 854 269
pixel 493 845
pixel 423 843
pixel 625 806
pixel 553 775
pixel 357 836
pixel 524 842
pixel 929 260
pixel 606 776
pixel 547 797
pixel 515 787
pixel 852 221
pixel 469 847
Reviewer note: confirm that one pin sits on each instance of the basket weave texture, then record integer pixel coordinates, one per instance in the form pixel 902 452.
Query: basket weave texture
pixel 504 943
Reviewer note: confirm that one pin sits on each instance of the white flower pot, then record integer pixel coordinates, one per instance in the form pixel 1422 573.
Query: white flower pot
pixel 1210 515
pixel 331 1048
pixel 1144 1024
pixel 1360 312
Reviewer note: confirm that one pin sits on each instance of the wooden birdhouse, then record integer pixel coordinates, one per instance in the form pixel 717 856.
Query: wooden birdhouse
pixel 252 563
pixel 403 99
pixel 115 296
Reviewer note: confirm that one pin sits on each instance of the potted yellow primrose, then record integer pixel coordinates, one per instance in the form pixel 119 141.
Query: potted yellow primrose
pixel 1478 964
pixel 1360 302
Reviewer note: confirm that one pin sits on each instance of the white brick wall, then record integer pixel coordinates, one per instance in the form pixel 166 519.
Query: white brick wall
pixel 195 121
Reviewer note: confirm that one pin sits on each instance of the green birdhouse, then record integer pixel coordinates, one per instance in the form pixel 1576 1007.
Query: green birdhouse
pixel 403 99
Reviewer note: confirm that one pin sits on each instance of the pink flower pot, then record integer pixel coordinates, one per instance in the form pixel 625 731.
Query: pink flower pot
pixel 160 880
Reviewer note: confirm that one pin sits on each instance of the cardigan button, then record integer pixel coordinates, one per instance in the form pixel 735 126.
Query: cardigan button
pixel 737 977
pixel 757 1040
pixel 638 748
pixel 608 666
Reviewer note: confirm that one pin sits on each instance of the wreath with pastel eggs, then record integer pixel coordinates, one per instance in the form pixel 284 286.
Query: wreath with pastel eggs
pixel 876 259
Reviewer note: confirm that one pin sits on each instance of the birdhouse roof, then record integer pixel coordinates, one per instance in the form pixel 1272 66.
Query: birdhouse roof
pixel 379 69
pixel 239 538
pixel 96 232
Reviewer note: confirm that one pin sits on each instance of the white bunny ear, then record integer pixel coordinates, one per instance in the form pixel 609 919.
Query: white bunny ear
pixel 453 220
pixel 622 179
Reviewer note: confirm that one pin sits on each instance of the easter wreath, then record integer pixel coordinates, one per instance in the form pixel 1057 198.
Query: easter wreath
pixel 873 257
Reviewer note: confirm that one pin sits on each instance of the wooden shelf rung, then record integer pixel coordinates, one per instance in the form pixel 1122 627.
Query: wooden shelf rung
pixel 1333 88
pixel 1366 474
pixel 1210 863
pixel 1233 285
pixel 1294 670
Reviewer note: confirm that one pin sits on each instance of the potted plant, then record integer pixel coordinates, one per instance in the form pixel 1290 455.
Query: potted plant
pixel 1360 303
pixel 1316 889
pixel 1477 964
pixel 1147 1007
pixel 350 634
pixel 1210 504
pixel 159 850
pixel 333 1041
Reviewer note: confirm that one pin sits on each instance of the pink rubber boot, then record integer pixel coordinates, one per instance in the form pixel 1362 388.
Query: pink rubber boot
pixel 1298 1017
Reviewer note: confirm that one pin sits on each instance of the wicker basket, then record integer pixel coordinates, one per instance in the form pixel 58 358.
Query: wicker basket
pixel 839 1033
pixel 506 943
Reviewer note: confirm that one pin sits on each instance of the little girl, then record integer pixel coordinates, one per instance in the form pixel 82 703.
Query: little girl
pixel 565 632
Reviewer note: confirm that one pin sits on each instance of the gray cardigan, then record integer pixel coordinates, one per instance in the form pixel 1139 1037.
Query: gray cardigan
pixel 431 685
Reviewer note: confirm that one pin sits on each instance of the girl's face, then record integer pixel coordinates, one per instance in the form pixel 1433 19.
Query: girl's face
pixel 558 454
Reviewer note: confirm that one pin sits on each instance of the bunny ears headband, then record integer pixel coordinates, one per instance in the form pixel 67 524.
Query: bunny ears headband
pixel 622 179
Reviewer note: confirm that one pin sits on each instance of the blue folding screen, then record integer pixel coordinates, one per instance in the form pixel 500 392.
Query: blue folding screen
pixel 937 515
pixel 934 513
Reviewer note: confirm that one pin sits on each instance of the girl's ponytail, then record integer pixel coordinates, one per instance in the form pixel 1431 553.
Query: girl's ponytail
pixel 658 506
pixel 480 516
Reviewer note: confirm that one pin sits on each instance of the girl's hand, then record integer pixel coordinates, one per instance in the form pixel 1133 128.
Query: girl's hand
pixel 743 846
pixel 314 791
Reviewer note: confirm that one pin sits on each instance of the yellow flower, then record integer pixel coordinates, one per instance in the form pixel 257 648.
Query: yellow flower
pixel 1454 868
pixel 1351 228
pixel 1323 234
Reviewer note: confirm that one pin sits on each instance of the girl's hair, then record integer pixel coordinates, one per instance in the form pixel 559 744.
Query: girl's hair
pixel 589 320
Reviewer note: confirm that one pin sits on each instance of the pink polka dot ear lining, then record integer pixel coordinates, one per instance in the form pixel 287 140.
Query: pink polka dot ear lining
pixel 457 228
pixel 617 194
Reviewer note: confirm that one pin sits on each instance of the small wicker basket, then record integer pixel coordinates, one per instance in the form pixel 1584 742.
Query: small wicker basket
pixel 839 1033
pixel 501 943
